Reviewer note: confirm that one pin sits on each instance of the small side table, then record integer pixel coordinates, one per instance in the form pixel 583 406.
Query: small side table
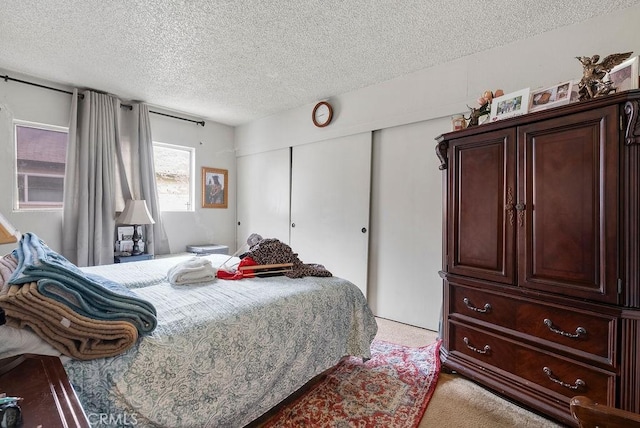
pixel 48 398
pixel 127 259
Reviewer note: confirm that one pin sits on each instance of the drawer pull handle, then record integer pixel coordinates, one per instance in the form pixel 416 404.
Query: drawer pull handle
pixel 580 331
pixel 487 307
pixel 483 351
pixel 579 383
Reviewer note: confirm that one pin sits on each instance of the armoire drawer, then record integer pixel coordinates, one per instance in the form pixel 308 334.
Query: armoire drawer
pixel 479 304
pixel 589 332
pixel 552 372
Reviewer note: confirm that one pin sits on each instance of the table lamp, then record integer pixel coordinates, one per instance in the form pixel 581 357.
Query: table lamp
pixel 135 213
pixel 8 233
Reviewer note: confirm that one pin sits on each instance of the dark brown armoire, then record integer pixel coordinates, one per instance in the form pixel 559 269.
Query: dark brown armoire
pixel 541 255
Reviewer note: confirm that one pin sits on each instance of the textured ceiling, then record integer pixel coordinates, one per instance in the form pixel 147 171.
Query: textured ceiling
pixel 236 61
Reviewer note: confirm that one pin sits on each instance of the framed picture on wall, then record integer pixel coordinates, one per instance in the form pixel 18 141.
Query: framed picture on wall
pixel 214 187
pixel 510 105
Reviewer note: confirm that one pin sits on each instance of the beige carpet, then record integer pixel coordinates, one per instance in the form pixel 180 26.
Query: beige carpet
pixel 458 402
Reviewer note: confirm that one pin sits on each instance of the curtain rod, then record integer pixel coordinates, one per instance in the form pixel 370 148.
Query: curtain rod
pixel 7 78
pixel 81 96
pixel 197 122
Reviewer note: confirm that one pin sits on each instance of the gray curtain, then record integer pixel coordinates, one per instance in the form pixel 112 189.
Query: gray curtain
pixel 156 237
pixel 107 164
pixel 89 192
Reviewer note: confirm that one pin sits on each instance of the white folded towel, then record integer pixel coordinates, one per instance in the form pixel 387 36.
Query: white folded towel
pixel 192 271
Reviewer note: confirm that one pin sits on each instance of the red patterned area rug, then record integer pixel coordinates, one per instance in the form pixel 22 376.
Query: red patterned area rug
pixel 391 390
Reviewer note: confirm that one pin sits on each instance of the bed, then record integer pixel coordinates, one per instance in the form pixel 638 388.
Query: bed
pixel 224 352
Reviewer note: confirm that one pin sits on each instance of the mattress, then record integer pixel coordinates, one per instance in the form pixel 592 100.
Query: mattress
pixel 225 352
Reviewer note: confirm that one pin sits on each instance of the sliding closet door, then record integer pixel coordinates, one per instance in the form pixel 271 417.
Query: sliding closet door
pixel 330 188
pixel 263 195
pixel 406 224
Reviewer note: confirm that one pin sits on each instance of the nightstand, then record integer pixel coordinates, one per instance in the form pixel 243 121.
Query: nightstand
pixel 48 398
pixel 127 259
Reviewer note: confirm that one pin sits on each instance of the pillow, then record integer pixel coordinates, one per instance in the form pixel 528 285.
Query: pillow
pixel 16 341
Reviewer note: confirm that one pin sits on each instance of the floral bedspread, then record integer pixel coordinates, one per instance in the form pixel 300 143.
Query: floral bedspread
pixel 223 353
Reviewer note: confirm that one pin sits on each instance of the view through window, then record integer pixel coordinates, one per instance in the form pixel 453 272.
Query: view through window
pixel 174 176
pixel 40 164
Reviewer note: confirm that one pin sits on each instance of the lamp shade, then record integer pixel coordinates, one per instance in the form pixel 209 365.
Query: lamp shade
pixel 8 233
pixel 135 212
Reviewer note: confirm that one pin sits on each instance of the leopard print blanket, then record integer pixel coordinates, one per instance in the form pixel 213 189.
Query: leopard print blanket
pixel 273 251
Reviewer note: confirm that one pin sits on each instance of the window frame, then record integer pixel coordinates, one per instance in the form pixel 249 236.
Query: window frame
pixel 16 192
pixel 192 174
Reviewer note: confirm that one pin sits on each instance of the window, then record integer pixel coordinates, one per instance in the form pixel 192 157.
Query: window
pixel 41 152
pixel 174 176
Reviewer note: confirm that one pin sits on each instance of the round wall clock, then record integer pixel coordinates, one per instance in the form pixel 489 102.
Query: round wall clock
pixel 322 114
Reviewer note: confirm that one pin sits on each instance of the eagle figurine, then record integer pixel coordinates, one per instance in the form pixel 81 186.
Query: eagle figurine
pixel 592 84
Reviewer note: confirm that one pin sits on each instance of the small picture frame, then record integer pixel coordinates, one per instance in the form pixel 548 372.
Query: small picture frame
pixel 125 233
pixel 552 96
pixel 625 76
pixel 510 105
pixel 575 91
pixel 215 183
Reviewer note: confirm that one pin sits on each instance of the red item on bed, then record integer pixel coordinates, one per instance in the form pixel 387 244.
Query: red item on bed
pixel 239 274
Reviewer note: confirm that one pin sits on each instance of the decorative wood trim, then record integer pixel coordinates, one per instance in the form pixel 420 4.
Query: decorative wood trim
pixel 441 151
pixel 630 362
pixel 632 134
pixel 510 205
pixel 631 221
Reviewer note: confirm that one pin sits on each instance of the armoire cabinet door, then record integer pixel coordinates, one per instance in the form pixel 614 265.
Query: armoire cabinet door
pixel 568 185
pixel 482 194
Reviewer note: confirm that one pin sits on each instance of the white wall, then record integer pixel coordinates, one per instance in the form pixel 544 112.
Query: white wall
pixel 19 101
pixel 430 97
pixel 448 88
pixel 214 146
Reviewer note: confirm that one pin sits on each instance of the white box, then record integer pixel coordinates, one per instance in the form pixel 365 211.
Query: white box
pixel 208 249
